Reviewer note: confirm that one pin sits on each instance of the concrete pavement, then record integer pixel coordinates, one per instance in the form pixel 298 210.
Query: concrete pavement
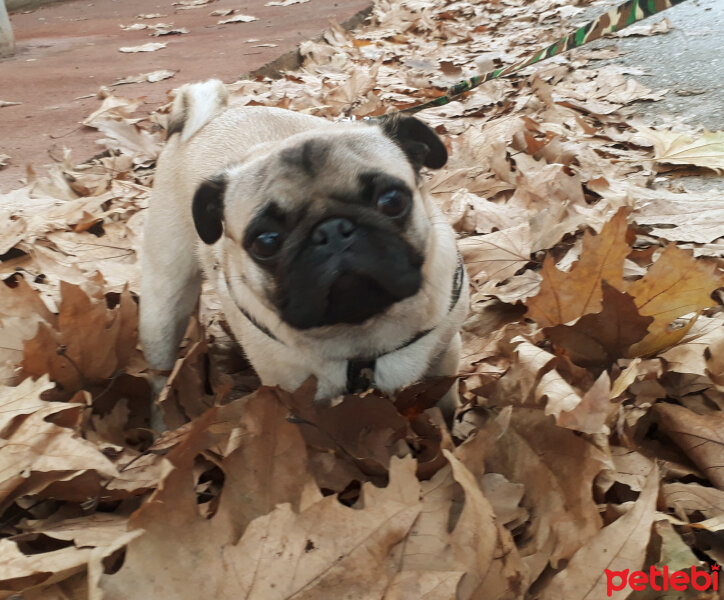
pixel 688 61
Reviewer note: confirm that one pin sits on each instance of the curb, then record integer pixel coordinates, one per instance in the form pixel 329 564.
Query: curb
pixel 292 60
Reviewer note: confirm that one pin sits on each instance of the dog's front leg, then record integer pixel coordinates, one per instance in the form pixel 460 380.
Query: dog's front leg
pixel 170 288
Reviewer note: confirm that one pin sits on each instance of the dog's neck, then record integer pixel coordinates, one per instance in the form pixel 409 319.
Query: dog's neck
pixel 361 370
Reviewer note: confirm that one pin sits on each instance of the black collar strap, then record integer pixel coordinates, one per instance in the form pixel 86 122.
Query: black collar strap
pixel 256 323
pixel 361 371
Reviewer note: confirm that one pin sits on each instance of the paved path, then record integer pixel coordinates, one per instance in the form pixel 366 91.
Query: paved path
pixel 688 61
pixel 68 50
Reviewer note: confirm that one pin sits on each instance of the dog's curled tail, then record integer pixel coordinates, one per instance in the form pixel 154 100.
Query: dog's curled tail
pixel 195 105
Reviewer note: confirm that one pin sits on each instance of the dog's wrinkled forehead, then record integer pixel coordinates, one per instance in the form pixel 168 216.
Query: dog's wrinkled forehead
pixel 327 164
pixel 309 157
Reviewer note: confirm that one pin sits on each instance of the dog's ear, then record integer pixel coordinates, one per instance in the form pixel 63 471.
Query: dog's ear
pixel 208 208
pixel 420 143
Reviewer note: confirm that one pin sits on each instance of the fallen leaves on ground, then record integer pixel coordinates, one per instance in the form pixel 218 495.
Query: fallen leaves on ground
pixel 149 47
pixel 592 365
pixel 159 31
pixel 655 28
pixel 285 2
pixel 238 19
pixel 151 77
pixel 621 545
pixel 703 150
pixel 186 4
pixel 700 436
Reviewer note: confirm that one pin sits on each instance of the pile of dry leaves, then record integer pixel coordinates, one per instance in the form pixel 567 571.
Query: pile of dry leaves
pixel 593 370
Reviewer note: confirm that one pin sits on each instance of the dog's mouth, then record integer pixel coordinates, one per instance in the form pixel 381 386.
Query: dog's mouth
pixel 346 272
pixel 354 298
pixel 351 298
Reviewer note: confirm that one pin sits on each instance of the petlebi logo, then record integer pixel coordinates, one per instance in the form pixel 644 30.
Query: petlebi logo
pixel 664 580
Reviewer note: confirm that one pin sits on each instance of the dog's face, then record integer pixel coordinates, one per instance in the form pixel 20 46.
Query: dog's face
pixel 328 227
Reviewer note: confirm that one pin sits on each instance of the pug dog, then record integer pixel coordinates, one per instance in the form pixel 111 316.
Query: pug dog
pixel 329 256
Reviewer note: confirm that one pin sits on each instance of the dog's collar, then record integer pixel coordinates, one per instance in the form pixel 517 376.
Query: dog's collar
pixel 361 371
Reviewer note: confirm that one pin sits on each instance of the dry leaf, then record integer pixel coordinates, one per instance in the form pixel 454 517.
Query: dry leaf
pixel 668 549
pixel 700 436
pixel 285 2
pixel 703 150
pixel 544 458
pixel 657 28
pixel 505 498
pixel 330 546
pixel 688 499
pixel 162 31
pixel 151 77
pixel 496 256
pixel 184 4
pixel 559 395
pixel 238 19
pixel 696 216
pixel 20 572
pixel 24 400
pixel 135 27
pixel 426 544
pixel 714 356
pixel 150 47
pixel 259 476
pixel 689 355
pixel 630 468
pixel 617 547
pixel 676 285
pixel 602 338
pixel 38 452
pixel 593 411
pixel 90 343
pixel 92 531
pixel 565 296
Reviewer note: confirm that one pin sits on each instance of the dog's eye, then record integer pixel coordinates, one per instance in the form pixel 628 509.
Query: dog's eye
pixel 393 203
pixel 266 245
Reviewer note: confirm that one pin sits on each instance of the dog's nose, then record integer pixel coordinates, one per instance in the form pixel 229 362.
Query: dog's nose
pixel 335 233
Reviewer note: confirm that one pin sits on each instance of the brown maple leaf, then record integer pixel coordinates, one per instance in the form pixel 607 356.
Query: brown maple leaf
pixel 566 296
pixel 597 340
pixel 701 437
pixel 676 285
pixel 621 545
pixel 90 344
